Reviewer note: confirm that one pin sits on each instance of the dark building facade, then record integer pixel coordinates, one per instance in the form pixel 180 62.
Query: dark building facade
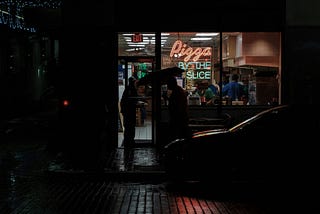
pixel 83 37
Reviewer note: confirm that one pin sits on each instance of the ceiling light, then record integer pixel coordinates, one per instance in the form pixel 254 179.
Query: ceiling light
pixel 207 34
pixel 201 38
pixel 136 45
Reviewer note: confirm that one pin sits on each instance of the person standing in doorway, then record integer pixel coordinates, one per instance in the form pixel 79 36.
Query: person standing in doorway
pixel 128 105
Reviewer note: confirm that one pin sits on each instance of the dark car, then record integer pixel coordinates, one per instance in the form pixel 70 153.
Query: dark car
pixel 253 150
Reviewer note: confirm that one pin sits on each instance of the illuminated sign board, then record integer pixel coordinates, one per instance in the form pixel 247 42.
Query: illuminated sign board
pixel 137 37
pixel 180 49
pixel 205 75
pixel 195 61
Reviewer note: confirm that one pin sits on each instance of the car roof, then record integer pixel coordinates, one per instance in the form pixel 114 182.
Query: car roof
pixel 240 125
pixel 275 109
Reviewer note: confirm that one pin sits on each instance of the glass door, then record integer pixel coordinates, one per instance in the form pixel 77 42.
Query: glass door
pixel 137 67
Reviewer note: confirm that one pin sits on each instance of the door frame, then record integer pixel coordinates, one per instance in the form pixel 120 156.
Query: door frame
pixel 133 59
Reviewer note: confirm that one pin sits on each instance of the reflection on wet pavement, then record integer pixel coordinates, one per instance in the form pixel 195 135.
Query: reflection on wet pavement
pixel 27 187
pixel 134 159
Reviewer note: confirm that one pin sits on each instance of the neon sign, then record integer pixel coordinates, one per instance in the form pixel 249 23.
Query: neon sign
pixel 180 49
pixel 198 75
pixel 196 70
pixel 137 37
pixel 194 65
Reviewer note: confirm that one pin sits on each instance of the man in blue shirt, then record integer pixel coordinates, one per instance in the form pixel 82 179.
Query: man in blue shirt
pixel 234 90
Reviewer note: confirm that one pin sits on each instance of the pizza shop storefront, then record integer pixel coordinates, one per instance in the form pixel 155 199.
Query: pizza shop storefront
pixel 209 61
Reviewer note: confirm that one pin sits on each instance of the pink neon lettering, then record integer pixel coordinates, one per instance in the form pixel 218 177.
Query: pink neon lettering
pixel 181 49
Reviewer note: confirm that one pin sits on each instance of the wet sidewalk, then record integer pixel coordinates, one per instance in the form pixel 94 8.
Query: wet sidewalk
pixel 133 185
pixel 138 164
pixel 145 158
pixel 31 128
pixel 133 181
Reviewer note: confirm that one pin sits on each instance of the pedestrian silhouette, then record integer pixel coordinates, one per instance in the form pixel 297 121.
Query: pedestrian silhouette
pixel 178 110
pixel 128 105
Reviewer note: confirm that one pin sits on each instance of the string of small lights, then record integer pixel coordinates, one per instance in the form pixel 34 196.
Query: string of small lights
pixel 11 12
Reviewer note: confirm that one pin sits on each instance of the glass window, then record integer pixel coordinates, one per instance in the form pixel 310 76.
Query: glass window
pixel 136 44
pixel 252 59
pixel 198 55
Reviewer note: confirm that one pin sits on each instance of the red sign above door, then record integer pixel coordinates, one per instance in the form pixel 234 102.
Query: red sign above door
pixel 137 37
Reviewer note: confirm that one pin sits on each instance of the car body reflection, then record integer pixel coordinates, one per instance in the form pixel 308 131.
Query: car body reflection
pixel 249 151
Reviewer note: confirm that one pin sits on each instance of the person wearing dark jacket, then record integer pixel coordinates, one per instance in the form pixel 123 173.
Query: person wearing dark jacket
pixel 128 109
pixel 178 110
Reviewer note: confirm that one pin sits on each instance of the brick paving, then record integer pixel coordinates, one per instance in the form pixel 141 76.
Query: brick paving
pixel 72 196
pixel 125 187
